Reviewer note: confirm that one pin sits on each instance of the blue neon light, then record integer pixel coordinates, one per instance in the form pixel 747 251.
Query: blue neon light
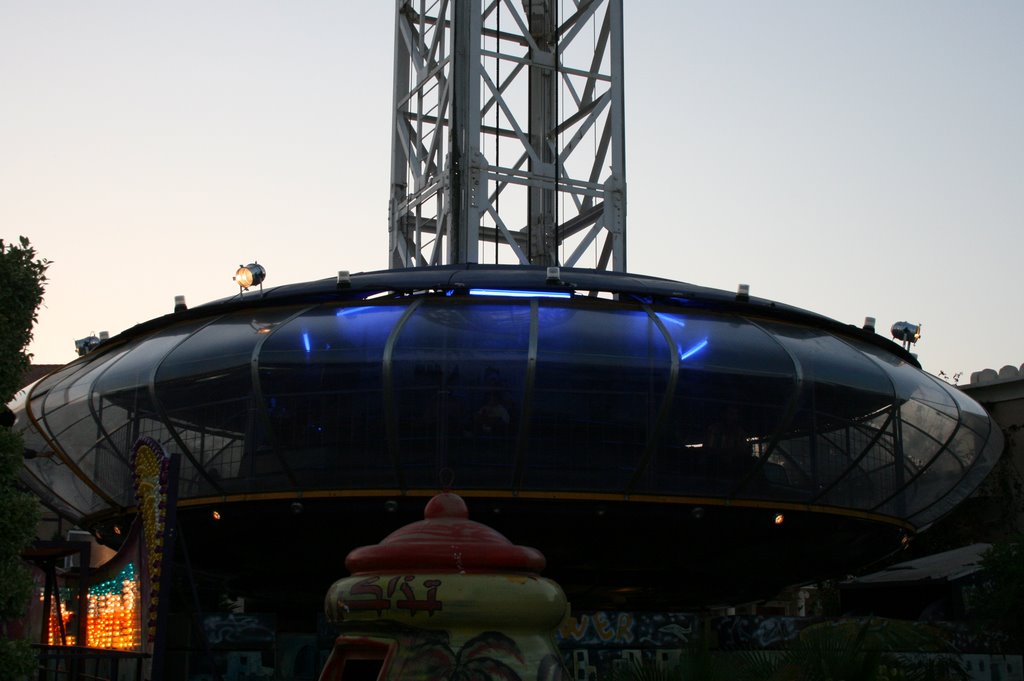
pixel 692 351
pixel 346 311
pixel 305 340
pixel 501 293
pixel 674 320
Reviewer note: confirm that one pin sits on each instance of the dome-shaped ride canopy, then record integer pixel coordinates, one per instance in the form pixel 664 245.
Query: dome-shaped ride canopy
pixel 600 387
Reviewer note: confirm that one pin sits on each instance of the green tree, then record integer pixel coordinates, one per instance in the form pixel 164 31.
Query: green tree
pixel 997 602
pixel 871 650
pixel 22 280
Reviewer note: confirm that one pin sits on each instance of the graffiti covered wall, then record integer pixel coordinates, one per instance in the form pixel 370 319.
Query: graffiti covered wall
pixel 596 642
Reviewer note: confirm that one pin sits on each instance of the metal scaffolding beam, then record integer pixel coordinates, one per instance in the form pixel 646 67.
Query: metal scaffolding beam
pixel 508 134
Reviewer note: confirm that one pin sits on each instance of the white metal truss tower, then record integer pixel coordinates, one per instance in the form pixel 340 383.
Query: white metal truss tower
pixel 508 134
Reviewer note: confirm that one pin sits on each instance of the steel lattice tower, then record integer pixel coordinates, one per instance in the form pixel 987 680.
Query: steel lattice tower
pixel 508 133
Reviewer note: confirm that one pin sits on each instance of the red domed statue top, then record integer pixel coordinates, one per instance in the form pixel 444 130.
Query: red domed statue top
pixel 446 540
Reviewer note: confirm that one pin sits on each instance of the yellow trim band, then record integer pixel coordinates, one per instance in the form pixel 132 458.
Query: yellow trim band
pixel 567 496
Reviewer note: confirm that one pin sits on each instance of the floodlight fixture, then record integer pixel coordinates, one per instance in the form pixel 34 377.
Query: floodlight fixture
pixel 907 333
pixel 84 346
pixel 179 304
pixel 554 275
pixel 743 292
pixel 869 324
pixel 250 275
pixel 344 279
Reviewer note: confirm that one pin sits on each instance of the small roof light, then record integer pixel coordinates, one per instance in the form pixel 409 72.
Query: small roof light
pixel 84 346
pixel 869 324
pixel 179 304
pixel 554 275
pixel 344 279
pixel 907 333
pixel 743 292
pixel 250 275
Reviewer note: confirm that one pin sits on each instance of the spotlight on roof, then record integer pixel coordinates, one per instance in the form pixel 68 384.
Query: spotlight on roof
pixel 84 346
pixel 906 333
pixel 743 292
pixel 250 275
pixel 869 324
pixel 179 304
pixel 344 279
pixel 554 275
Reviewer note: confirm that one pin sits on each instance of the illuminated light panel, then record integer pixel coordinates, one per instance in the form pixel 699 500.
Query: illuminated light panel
pixel 113 617
pixel 305 341
pixel 63 595
pixel 502 293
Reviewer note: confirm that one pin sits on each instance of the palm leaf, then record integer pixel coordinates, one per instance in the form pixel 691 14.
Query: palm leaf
pixel 551 668
pixel 485 669
pixel 489 644
pixel 428 659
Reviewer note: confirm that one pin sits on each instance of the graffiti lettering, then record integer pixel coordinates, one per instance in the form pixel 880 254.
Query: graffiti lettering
pixel 381 598
pixel 602 627
pixel 627 629
pixel 410 602
pixel 574 629
pixel 624 631
pixel 233 630
pixel 369 587
pixel 606 627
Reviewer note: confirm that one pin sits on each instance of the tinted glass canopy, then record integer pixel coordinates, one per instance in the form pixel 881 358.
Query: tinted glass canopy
pixel 408 380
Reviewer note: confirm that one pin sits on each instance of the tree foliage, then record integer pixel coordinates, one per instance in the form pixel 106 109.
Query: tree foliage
pixel 22 281
pixel 998 603
pixel 870 650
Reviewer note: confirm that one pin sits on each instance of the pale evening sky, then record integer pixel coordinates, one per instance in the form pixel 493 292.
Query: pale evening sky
pixel 857 158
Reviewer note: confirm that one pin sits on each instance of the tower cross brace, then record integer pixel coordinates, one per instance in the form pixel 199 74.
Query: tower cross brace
pixel 508 134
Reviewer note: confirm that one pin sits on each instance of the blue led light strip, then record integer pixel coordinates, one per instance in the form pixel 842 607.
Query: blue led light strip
pixel 692 351
pixel 511 293
pixel 346 311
